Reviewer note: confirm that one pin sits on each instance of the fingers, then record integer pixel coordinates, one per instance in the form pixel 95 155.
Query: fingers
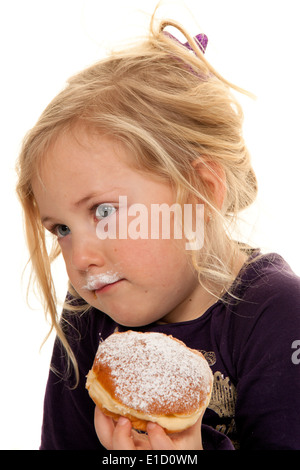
pixel 159 440
pixel 111 435
pixel 122 438
pixel 104 427
pixel 190 439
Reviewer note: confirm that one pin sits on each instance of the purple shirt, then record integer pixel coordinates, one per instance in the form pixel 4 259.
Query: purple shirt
pixel 255 402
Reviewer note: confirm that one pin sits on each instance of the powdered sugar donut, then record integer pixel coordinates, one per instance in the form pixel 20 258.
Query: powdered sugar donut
pixel 150 377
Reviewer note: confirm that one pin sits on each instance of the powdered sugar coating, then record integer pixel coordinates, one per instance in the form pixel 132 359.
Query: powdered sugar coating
pixel 154 373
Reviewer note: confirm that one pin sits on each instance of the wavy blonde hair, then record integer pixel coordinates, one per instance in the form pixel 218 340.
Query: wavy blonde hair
pixel 170 108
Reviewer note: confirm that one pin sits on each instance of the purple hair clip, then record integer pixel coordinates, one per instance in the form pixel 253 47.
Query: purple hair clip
pixel 201 40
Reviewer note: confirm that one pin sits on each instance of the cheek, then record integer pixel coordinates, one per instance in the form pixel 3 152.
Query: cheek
pixel 74 275
pixel 67 258
pixel 154 260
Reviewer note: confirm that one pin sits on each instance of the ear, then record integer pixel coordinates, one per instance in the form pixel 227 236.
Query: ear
pixel 214 178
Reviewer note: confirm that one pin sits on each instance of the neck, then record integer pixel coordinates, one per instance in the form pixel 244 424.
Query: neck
pixel 202 298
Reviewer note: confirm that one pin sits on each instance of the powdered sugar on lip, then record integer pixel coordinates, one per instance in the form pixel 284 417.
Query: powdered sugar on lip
pixel 97 281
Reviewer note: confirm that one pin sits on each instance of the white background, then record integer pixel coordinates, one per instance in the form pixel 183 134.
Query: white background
pixel 253 43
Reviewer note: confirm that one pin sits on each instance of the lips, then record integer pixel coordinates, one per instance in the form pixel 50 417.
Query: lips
pixel 105 287
pixel 99 281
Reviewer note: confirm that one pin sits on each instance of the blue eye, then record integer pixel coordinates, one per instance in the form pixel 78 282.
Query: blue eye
pixel 62 231
pixel 105 210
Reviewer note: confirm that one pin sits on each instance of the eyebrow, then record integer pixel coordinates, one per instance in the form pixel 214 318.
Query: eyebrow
pixel 79 203
pixel 46 219
pixel 85 199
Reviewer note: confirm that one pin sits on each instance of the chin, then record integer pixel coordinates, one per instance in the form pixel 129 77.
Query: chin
pixel 133 322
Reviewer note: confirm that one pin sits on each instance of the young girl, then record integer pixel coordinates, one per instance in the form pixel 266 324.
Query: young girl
pixel 154 126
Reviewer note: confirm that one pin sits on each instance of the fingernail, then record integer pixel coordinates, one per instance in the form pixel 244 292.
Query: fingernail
pixel 151 426
pixel 122 421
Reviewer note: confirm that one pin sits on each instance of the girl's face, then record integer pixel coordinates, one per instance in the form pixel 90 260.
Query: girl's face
pixel 136 281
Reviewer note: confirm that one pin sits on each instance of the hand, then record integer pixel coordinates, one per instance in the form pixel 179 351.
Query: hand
pixel 121 436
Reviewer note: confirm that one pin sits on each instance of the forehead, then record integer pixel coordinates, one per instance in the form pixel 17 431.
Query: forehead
pixel 81 155
pixel 78 149
pixel 80 163
pixel 76 164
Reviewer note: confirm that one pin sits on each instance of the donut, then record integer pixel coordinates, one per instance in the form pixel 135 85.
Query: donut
pixel 150 377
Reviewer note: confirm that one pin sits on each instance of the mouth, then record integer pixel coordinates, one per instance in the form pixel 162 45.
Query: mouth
pixel 102 282
pixel 106 287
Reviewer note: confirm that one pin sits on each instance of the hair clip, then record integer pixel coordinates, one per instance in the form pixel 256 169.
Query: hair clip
pixel 201 40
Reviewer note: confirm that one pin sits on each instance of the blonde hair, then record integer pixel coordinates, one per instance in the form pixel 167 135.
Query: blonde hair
pixel 170 108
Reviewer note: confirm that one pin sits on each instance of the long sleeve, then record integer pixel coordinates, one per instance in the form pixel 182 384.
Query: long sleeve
pixel 68 421
pixel 268 381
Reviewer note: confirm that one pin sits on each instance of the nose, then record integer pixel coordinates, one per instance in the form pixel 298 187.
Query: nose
pixel 86 252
